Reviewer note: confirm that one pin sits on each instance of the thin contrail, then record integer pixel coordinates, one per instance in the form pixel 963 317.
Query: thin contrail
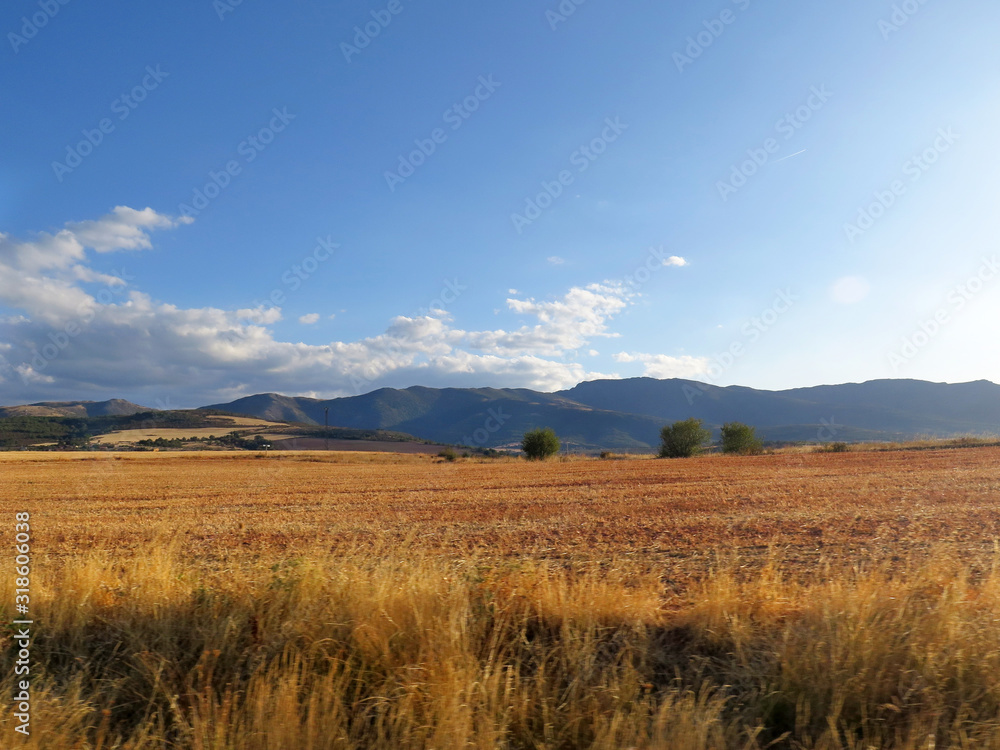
pixel 791 155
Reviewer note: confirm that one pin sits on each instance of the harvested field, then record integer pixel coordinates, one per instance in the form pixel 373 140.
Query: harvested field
pixel 848 504
pixel 229 601
pixel 221 425
pixel 284 443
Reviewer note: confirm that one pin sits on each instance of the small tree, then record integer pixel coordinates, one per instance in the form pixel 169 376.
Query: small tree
pixel 540 444
pixel 683 439
pixel 740 438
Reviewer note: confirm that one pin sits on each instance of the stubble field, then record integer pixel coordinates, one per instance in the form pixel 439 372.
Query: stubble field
pixel 310 600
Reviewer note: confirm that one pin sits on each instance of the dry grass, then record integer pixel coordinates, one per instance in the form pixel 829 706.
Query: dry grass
pixel 310 601
pixel 221 426
pixel 130 437
pixel 931 443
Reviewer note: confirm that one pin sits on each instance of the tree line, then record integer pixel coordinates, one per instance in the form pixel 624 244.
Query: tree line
pixel 689 438
pixel 679 440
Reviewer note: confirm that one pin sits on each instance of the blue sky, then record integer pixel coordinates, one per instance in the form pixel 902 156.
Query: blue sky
pixel 744 193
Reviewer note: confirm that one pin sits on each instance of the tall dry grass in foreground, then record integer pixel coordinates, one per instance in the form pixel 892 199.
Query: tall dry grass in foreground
pixel 395 648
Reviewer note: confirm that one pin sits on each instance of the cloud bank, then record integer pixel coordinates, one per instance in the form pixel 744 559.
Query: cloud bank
pixel 72 332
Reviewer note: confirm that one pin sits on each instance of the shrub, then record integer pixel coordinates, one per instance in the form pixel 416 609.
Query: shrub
pixel 683 439
pixel 740 438
pixel 448 454
pixel 540 444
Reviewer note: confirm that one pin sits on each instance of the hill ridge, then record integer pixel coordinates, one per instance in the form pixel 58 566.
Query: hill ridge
pixel 111 407
pixel 623 414
pixel 627 414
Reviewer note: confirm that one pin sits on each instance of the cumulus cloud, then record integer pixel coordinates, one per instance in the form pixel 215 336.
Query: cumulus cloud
pixel 675 260
pixel 123 229
pixel 66 341
pixel 555 260
pixel 663 366
pixel 260 315
pixel 564 325
pixel 40 275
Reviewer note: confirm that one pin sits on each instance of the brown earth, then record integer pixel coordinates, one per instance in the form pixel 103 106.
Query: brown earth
pixel 850 505
pixel 363 446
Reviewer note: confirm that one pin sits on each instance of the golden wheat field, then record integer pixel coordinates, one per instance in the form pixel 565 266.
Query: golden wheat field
pixel 304 601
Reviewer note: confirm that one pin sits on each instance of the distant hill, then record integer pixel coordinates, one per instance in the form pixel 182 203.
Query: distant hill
pixel 878 409
pixel 619 415
pixel 116 407
pixel 23 430
pixel 275 408
pixel 66 425
pixel 481 417
pixel 628 414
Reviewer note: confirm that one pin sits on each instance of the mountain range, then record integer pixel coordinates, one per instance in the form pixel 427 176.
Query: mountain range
pixel 116 407
pixel 628 414
pixel 622 415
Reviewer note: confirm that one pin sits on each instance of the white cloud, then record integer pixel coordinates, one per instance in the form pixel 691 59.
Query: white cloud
pixel 555 260
pixel 663 366
pixel 123 229
pixel 124 342
pixel 260 315
pixel 28 375
pixel 40 275
pixel 565 324
pixel 675 260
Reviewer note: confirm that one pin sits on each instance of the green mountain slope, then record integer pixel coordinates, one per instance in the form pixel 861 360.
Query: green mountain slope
pixel 628 414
